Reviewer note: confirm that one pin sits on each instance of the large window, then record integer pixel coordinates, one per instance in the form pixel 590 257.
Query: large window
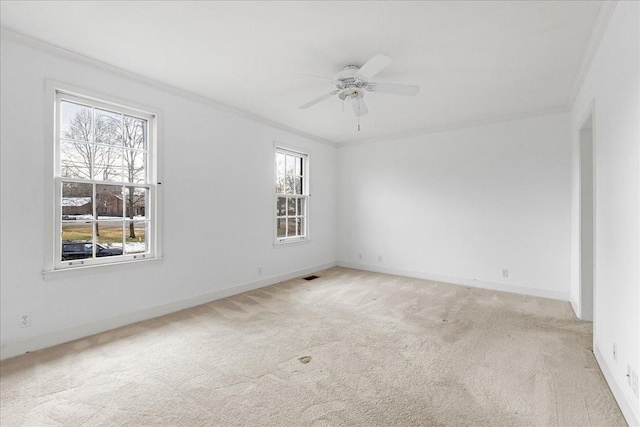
pixel 292 195
pixel 104 191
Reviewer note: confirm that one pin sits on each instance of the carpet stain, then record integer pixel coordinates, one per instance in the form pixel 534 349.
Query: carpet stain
pixel 304 359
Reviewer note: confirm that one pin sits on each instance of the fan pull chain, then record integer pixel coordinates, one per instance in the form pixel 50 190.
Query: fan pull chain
pixel 358 115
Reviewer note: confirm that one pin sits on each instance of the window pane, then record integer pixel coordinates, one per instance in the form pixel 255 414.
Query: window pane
pixel 109 201
pixel 75 160
pixel 136 237
pixel 135 202
pixel 109 238
pixel 76 241
pixel 300 207
pixel 280 183
pixel 290 164
pixel 288 184
pixel 281 224
pixel 281 206
pixel 108 163
pixel 77 232
pixel 77 201
pixel 298 185
pixel 134 166
pixel 280 163
pixel 135 133
pixel 291 227
pixel 301 227
pixel 291 207
pixel 76 121
pixel 108 127
pixel 298 166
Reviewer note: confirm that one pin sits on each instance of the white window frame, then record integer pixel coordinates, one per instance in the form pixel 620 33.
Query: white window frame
pixel 306 196
pixel 57 92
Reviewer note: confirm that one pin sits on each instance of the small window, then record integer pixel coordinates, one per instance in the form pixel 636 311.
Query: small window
pixel 104 173
pixel 292 195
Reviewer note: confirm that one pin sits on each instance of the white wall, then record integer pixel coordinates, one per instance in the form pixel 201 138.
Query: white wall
pixel 462 205
pixel 217 213
pixel 612 87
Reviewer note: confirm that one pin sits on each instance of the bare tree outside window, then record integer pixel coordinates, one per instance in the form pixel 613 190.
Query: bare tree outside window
pixel 107 146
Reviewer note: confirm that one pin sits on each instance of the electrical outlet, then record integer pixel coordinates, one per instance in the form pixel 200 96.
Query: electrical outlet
pixel 359 256
pixel 259 271
pixel 379 258
pixel 629 375
pixel 25 320
pixel 634 382
pixel 505 272
pixel 615 352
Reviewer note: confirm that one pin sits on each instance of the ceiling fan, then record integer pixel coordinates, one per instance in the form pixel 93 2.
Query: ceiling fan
pixel 352 82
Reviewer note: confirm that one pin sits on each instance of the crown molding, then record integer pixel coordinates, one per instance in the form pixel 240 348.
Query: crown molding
pixel 602 21
pixel 599 28
pixel 559 109
pixel 42 46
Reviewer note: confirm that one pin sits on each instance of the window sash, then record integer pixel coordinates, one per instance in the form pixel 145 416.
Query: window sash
pixel 147 151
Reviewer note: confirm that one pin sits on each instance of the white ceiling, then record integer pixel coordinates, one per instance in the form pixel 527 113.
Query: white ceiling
pixel 474 61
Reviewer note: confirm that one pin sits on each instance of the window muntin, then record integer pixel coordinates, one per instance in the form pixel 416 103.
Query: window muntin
pixel 292 195
pixel 104 191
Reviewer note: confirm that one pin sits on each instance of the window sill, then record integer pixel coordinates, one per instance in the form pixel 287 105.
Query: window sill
pixel 100 268
pixel 288 242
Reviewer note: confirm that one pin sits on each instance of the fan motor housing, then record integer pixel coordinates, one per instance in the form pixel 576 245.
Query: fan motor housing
pixel 347 72
pixel 348 78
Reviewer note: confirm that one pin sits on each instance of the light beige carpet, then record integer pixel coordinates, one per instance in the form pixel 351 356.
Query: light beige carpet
pixel 380 350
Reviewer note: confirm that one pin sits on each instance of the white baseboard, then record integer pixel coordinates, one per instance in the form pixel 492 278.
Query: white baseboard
pixel 51 338
pixel 523 290
pixel 632 417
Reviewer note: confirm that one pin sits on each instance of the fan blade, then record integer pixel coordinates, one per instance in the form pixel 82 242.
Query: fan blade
pixel 322 98
pixel 395 88
pixel 373 66
pixel 311 76
pixel 359 107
